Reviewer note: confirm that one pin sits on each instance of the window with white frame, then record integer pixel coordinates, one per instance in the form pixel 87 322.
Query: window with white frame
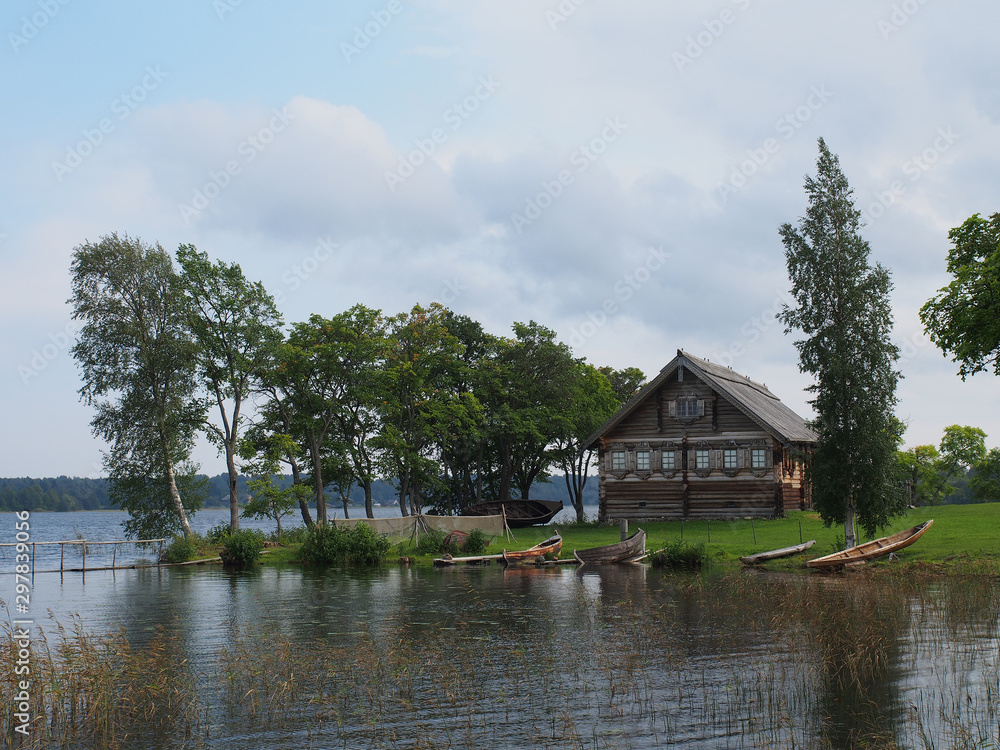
pixel 687 408
pixel 730 459
pixel 617 460
pixel 758 458
pixel 668 461
pixel 642 462
pixel 701 460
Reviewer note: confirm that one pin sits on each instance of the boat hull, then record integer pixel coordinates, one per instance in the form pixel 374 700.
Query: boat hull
pixel 631 549
pixel 519 513
pixel 776 554
pixel 551 546
pixel 873 549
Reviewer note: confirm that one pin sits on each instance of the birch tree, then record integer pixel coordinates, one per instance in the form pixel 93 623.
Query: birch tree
pixel 842 307
pixel 138 366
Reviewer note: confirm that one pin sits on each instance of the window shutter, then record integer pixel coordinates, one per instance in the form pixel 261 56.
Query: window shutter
pixel 742 457
pixel 672 408
pixel 714 457
pixel 701 407
pixel 692 460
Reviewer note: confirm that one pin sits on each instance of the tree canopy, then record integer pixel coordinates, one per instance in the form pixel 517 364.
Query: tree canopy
pixel 843 308
pixel 963 319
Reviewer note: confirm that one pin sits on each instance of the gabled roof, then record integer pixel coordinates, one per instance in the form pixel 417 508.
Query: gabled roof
pixel 751 398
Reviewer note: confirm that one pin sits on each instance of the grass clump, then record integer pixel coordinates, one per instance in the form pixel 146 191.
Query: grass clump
pixel 242 548
pixel 326 544
pixel 182 548
pixel 681 555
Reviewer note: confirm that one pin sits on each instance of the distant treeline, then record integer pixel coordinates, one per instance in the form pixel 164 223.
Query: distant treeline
pixel 77 493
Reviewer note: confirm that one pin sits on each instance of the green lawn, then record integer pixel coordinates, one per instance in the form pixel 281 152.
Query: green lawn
pixel 959 531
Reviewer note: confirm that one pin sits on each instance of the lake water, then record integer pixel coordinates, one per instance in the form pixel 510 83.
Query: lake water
pixel 487 657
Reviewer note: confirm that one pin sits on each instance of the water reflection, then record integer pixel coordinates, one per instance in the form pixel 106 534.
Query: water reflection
pixel 614 656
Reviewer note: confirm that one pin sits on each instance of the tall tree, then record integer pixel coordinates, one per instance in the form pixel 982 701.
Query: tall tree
pixel 843 309
pixel 964 318
pixel 592 401
pixel 138 366
pixel 234 323
pixel 625 383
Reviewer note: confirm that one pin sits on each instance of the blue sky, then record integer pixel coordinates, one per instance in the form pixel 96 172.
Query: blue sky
pixel 617 172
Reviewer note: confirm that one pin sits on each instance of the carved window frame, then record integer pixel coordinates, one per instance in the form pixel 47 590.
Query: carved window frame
pixel 670 449
pixel 700 451
pixel 615 450
pixel 756 469
pixel 643 448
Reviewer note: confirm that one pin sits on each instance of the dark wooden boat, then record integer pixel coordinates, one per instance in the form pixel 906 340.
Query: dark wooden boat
pixel 631 549
pixel 875 548
pixel 774 554
pixel 519 513
pixel 550 546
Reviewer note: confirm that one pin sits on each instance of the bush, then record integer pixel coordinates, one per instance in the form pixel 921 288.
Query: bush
pixel 217 534
pixel 360 544
pixel 241 548
pixel 678 554
pixel 432 543
pixel 477 542
pixel 181 549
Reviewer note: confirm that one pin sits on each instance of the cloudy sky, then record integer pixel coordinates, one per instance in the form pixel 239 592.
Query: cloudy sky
pixel 615 171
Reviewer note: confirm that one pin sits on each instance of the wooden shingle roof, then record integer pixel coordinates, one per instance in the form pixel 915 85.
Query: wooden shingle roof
pixel 751 398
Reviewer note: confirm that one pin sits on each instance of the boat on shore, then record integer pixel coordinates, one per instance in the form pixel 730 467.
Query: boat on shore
pixel 776 554
pixel 873 549
pixel 550 546
pixel 629 550
pixel 519 513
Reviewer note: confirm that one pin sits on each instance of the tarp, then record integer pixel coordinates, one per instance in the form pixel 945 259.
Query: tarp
pixel 410 526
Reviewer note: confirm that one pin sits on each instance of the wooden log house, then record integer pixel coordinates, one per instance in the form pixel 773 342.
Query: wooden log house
pixel 701 441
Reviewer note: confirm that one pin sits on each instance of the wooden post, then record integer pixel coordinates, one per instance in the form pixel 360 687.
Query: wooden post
pixel 114 555
pixel 709 530
pixel 754 530
pixel 62 555
pixel 32 561
pixel 623 527
pixel 84 546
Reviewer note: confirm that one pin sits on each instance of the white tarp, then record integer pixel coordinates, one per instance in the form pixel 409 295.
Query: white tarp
pixel 411 526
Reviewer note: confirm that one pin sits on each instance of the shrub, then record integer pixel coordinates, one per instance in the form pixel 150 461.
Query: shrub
pixel 359 544
pixel 679 554
pixel 477 542
pixel 431 543
pixel 217 534
pixel 241 548
pixel 181 549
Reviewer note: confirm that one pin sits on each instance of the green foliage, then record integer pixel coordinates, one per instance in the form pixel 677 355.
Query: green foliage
pixel 182 548
pixel 432 543
pixel 844 310
pixel 681 555
pixel 242 548
pixel 964 318
pixel 476 543
pixel 360 544
pixel 217 534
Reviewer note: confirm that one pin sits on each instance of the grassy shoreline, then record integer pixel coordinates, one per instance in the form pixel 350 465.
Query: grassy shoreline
pixel 965 539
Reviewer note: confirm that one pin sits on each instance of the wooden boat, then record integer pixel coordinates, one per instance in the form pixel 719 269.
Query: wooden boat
pixel 519 513
pixel 631 549
pixel 875 548
pixel 774 554
pixel 550 546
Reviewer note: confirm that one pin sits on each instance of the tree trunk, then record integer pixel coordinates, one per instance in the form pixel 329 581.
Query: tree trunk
pixel 234 500
pixel 317 462
pixel 303 505
pixel 849 537
pixel 404 491
pixel 369 511
pixel 176 497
